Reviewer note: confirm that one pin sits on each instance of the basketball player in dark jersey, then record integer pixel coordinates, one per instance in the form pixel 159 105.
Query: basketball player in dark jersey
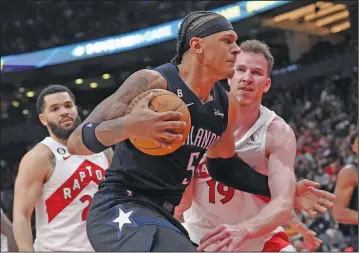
pixel 345 209
pixel 133 210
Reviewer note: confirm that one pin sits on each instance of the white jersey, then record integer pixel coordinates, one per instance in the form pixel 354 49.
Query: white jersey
pixel 61 210
pixel 215 204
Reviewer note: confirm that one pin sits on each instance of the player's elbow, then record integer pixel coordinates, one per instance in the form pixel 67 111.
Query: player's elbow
pixel 339 214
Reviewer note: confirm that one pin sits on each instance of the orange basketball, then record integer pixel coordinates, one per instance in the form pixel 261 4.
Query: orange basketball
pixel 163 101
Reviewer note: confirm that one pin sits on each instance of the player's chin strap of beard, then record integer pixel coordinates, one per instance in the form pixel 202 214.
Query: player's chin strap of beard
pixel 235 173
pixel 215 25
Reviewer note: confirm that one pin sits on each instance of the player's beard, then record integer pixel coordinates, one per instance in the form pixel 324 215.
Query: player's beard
pixel 64 133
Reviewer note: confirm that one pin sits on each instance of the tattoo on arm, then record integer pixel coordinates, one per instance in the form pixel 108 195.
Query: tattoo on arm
pixel 115 106
pixel 52 160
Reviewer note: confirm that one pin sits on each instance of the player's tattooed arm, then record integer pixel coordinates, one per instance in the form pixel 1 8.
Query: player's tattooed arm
pixel 110 132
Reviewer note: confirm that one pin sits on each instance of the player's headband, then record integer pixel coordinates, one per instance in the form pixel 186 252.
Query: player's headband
pixel 215 25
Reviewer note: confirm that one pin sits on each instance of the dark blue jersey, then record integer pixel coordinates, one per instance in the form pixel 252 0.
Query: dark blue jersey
pixel 167 176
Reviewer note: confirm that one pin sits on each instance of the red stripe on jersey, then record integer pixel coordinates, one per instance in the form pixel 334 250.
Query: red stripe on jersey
pixel 87 172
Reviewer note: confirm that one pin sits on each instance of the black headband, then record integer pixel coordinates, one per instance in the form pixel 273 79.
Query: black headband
pixel 215 25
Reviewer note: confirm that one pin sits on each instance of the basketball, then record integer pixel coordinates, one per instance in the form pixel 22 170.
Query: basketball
pixel 163 101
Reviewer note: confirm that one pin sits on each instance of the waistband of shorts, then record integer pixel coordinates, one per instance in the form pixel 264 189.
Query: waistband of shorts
pixel 130 195
pixel 166 205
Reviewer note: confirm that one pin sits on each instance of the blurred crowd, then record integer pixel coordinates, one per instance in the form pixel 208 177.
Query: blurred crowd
pixel 324 116
pixel 85 20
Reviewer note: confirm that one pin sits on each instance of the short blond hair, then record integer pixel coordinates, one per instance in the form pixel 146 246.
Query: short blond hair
pixel 258 47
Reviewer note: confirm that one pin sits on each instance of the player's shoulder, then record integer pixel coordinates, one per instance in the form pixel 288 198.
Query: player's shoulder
pixel 280 134
pixel 147 79
pixel 39 154
pixel 348 171
pixel 155 78
pixel 278 125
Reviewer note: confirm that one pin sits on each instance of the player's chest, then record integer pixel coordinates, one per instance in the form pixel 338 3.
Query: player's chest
pixel 76 173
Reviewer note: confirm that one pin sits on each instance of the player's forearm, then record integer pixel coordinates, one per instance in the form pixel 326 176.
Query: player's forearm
pixel 108 133
pixel 23 233
pixel 346 216
pixel 113 131
pixel 276 213
pixel 294 220
pixel 235 173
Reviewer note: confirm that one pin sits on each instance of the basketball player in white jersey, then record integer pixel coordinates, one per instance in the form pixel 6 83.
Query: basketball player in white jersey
pixel 58 185
pixel 7 237
pixel 268 144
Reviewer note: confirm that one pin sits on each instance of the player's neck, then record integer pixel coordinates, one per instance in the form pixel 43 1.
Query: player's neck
pixel 249 114
pixel 62 141
pixel 199 80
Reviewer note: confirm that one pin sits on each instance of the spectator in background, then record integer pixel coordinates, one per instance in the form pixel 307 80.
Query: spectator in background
pixel 323 178
pixel 345 209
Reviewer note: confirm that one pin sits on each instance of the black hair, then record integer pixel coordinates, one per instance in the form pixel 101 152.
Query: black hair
pixel 52 89
pixel 189 23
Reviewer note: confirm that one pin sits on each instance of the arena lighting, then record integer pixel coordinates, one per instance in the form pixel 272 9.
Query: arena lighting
pixel 106 76
pixel 30 94
pixel 332 18
pixel 340 27
pixel 309 12
pixel 21 89
pixel 93 85
pixel 79 81
pixel 321 13
pixel 25 112
pixel 15 103
pixel 295 13
pixel 124 42
pixel 324 4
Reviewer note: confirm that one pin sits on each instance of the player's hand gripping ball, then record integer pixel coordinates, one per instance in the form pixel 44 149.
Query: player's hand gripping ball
pixel 163 101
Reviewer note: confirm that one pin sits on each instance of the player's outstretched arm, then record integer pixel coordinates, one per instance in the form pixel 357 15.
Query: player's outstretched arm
pixel 225 166
pixel 311 242
pixel 108 123
pixel 346 182
pixel 310 199
pixel 33 170
pixel 281 181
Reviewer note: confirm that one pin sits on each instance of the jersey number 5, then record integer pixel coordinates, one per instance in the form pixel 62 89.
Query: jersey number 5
pixel 222 189
pixel 190 167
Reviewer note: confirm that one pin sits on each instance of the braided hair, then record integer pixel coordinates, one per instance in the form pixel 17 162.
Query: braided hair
pixel 189 23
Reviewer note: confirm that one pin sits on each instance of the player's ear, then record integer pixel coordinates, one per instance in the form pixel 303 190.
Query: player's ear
pixel 195 44
pixel 267 85
pixel 42 119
